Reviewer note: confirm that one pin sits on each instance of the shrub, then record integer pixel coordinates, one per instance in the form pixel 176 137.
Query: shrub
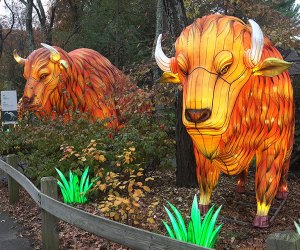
pixel 122 160
pixel 122 195
pixel 42 144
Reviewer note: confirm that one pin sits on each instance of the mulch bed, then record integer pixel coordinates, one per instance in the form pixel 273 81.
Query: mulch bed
pixel 239 207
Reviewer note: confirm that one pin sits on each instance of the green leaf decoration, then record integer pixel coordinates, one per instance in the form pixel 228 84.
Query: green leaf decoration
pixel 64 192
pixel 175 225
pixel 211 226
pixel 169 230
pixel 83 178
pixel 214 236
pixel 205 224
pixel 63 178
pixel 74 190
pixel 196 218
pixel 297 227
pixel 71 186
pixel 180 221
pixel 201 232
pixel 191 233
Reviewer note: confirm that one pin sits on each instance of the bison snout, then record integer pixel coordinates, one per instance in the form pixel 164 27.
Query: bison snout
pixel 197 115
pixel 27 100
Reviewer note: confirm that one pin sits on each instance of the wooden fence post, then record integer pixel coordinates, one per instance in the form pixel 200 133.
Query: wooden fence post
pixel 13 186
pixel 50 239
pixel 283 240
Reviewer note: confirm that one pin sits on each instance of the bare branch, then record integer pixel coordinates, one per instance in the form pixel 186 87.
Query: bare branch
pixel 23 2
pixel 52 16
pixel 38 12
pixel 12 23
pixel 75 14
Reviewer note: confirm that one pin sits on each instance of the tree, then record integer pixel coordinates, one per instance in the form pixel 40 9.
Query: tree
pixel 46 22
pixel 4 35
pixel 121 31
pixel 160 14
pixel 29 28
pixel 185 159
pixel 279 19
pixel 46 25
pixel 117 16
pixel 176 16
pixel 68 20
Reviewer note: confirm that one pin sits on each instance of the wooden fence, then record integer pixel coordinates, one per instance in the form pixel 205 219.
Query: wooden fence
pixel 52 209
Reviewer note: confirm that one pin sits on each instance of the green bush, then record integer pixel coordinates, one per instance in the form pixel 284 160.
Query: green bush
pixel 43 145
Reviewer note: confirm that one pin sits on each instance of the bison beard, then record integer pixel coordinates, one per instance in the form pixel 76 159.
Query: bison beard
pixel 59 83
pixel 237 104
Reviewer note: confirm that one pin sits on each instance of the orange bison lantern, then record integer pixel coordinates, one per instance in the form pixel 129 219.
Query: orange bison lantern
pixel 237 104
pixel 59 82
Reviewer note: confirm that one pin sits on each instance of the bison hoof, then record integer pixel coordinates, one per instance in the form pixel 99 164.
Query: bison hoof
pixel 203 209
pixel 261 221
pixel 282 195
pixel 240 189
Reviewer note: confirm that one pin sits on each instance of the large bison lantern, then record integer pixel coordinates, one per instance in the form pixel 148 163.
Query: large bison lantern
pixel 237 104
pixel 59 82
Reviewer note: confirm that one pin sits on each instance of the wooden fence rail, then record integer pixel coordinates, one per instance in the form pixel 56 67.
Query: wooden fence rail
pixel 120 233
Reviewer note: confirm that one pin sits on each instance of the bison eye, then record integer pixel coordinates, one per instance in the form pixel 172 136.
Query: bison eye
pixel 224 70
pixel 222 62
pixel 43 76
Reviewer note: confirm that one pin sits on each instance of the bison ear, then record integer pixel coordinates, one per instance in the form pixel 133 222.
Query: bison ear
pixel 169 77
pixel 271 67
pixel 63 64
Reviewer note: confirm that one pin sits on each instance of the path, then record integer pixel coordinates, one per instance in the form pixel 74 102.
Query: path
pixel 9 228
pixel 8 235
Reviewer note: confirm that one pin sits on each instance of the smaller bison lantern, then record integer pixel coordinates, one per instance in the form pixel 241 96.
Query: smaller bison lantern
pixel 59 82
pixel 237 104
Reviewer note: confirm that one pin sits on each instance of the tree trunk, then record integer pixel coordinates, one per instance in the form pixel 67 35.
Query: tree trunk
pixel 1 40
pixel 117 45
pixel 176 16
pixel 159 30
pixel 2 35
pixel 29 29
pixel 75 9
pixel 185 159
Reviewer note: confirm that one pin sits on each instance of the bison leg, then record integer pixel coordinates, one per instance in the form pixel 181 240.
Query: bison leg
pixel 240 186
pixel 282 192
pixel 207 177
pixel 268 172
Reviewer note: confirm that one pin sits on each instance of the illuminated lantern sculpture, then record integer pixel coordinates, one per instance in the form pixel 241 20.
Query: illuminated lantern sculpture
pixel 237 104
pixel 59 82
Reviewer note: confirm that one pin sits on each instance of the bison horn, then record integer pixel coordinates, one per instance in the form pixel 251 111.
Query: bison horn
pixel 161 59
pixel 54 54
pixel 254 54
pixel 19 59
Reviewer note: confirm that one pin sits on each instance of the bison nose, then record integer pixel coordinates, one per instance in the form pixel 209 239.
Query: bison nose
pixel 197 115
pixel 27 100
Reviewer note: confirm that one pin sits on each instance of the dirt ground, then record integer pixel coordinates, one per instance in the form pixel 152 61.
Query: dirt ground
pixel 236 207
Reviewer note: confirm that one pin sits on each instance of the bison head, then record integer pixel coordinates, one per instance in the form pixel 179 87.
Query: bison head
pixel 42 70
pixel 215 57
